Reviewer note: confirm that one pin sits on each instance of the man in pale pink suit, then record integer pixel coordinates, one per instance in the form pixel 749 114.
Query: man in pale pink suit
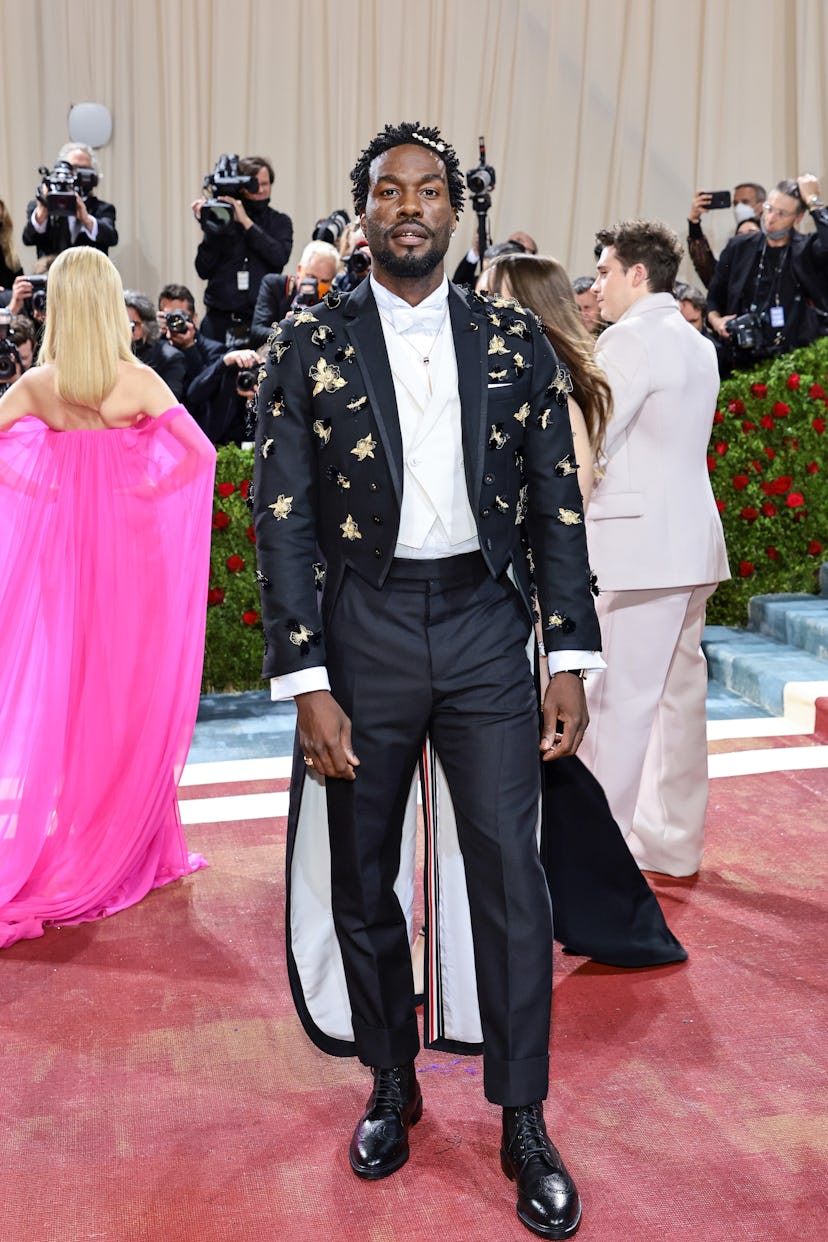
pixel 657 547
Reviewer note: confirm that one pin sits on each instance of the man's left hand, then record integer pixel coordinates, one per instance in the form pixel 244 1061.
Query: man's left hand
pixel 808 186
pixel 238 210
pixel 83 216
pixel 564 702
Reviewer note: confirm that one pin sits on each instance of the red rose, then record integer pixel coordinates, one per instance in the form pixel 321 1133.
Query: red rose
pixel 711 463
pixel 795 500
pixel 766 421
pixel 250 618
pixel 721 448
pixel 740 482
pixel 244 489
pixel 816 391
pixel 235 564
pixel 819 425
pixel 781 485
pixel 769 508
pixel 812 467
pixel 718 417
pixel 746 568
pixel 772 553
pixel 793 381
pixel 759 390
pixel 780 410
pixel 721 506
pixel 736 407
pixel 215 596
pixel 770 453
pixel 746 427
pixel 750 514
pixel 757 466
pixel 220 519
pixel 251 534
pixel 814 547
pixel 225 489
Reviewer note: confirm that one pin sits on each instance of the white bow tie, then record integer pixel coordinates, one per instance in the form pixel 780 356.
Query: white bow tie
pixel 427 319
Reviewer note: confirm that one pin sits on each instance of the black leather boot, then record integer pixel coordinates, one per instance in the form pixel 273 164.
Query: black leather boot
pixel 548 1202
pixel 380 1142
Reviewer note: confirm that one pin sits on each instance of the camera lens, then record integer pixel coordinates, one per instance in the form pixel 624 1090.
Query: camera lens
pixel 246 380
pixel 216 217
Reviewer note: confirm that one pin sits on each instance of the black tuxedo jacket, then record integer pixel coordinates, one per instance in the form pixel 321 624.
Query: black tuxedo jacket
pixel 58 238
pixel 329 467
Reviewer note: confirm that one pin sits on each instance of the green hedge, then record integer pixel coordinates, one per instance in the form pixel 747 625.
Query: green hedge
pixel 767 468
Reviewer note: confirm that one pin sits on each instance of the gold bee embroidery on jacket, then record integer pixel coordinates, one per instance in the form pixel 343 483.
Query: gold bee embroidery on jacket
pixel 493 319
pixel 523 413
pixel 322 428
pixel 530 560
pixel 342 480
pixel 544 417
pixel 569 517
pixel 276 330
pixel 495 376
pixel 305 316
pixel 262 374
pixel 555 621
pixel 566 466
pixel 349 529
pixel 501 504
pixel 561 385
pixel 520 507
pixel 300 635
pixel 281 507
pixel 357 403
pixel 497 436
pixel 497 345
pixel 266 447
pixel 326 378
pixel 517 328
pixel 364 447
pixel 322 335
pixel 519 364
pixel 346 354
pixel 278 350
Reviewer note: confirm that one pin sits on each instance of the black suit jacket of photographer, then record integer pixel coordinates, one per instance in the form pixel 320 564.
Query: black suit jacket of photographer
pixel 272 304
pixel 263 248
pixel 731 289
pixel 58 236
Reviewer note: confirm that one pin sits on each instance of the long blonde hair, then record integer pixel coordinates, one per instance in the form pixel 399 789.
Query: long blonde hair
pixel 10 256
pixel 87 329
pixel 542 285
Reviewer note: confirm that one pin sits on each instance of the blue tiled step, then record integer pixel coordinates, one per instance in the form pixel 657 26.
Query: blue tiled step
pixel 758 667
pixel 798 620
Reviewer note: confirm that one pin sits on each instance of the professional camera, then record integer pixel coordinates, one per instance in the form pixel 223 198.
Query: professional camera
pixel 246 380
pixel 10 364
pixel 307 293
pixel 176 321
pixel 357 267
pixel 481 180
pixel 225 179
pixel 751 331
pixel 38 298
pixel 330 229
pixel 61 188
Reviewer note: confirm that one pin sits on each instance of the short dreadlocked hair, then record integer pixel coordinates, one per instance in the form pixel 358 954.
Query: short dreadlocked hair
pixel 397 136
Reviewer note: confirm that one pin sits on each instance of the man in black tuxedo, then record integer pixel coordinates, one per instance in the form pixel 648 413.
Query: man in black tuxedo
pixel 92 225
pixel 421 437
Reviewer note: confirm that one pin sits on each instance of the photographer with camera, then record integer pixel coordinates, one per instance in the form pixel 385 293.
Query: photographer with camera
pixel 220 395
pixel 768 294
pixel 65 211
pixel 279 295
pixel 148 346
pixel 244 240
pixel 747 199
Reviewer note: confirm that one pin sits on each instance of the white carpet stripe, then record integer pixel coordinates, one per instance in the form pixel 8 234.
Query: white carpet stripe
pixel 245 806
pixel 759 726
pixel 228 770
pixel 782 759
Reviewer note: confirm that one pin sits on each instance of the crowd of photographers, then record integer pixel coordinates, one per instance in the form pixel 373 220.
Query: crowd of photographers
pixel 766 294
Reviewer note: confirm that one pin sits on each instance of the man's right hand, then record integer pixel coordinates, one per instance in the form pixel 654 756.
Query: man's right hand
pixel 196 206
pixel 21 292
pixel 325 734
pixel 719 324
pixel 700 203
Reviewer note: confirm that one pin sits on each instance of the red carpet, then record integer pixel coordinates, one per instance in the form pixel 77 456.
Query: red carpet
pixel 157 1085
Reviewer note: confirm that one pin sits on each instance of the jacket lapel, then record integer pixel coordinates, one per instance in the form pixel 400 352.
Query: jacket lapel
pixel 365 332
pixel 470 347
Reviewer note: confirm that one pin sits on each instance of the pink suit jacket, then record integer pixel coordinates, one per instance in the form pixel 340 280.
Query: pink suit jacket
pixel 652 521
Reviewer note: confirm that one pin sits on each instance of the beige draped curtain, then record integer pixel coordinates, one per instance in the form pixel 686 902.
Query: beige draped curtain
pixel 592 110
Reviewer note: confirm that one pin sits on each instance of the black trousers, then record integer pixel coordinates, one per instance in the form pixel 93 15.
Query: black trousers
pixel 441 648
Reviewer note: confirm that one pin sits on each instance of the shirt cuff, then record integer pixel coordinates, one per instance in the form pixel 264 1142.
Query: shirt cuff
pixel 91 230
pixel 302 682
pixel 569 661
pixel 38 228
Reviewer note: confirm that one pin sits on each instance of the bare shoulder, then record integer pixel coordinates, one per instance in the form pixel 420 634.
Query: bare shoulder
pixel 26 396
pixel 143 390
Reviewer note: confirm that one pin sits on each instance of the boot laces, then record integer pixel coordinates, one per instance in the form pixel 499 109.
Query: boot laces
pixel 530 1137
pixel 388 1089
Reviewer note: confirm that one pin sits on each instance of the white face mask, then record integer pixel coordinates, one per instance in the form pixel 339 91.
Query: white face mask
pixel 775 234
pixel 742 211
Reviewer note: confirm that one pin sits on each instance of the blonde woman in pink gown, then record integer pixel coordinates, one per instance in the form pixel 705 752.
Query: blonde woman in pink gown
pixel 105 507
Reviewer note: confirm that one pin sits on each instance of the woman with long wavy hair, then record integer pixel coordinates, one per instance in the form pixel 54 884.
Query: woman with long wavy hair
pixel 105 508
pixel 542 285
pixel 9 258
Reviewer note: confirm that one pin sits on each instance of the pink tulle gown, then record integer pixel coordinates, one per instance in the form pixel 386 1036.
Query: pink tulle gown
pixel 104 560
